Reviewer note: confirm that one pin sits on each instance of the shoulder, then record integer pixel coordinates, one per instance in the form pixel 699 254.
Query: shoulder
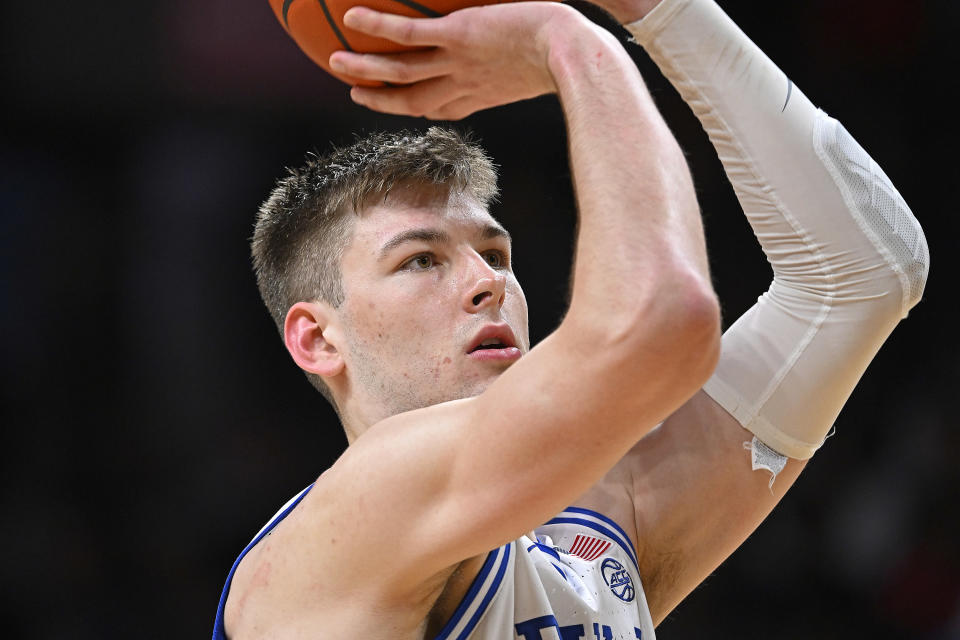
pixel 242 578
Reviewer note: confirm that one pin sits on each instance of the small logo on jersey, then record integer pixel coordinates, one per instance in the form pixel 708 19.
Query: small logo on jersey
pixel 588 547
pixel 789 91
pixel 617 579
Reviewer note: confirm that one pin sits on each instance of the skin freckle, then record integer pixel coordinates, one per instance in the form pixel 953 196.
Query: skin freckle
pixel 447 360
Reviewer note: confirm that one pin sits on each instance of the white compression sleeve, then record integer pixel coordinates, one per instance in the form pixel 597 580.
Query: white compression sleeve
pixel 849 259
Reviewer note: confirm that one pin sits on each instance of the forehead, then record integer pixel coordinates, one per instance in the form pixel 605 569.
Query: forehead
pixel 453 213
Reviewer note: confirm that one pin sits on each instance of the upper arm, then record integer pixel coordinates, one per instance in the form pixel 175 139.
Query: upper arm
pixel 695 498
pixel 421 491
pixel 458 479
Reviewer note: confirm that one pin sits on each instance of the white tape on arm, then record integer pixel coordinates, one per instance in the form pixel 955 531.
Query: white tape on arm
pixel 849 259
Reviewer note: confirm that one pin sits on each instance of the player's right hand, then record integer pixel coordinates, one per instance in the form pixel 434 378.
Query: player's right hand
pixel 627 11
pixel 477 58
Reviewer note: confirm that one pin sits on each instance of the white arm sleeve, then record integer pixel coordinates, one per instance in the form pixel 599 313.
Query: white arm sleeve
pixel 849 259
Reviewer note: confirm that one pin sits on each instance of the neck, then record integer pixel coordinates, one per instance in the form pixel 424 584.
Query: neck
pixel 356 417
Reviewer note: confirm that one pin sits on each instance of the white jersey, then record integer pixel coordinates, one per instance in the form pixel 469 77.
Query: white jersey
pixel 578 579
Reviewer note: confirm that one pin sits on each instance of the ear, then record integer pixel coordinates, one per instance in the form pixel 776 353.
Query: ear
pixel 309 333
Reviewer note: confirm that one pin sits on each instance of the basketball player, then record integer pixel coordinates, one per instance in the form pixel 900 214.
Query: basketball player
pixel 582 488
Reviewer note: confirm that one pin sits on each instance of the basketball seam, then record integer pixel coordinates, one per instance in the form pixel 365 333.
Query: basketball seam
pixel 286 8
pixel 333 25
pixel 427 11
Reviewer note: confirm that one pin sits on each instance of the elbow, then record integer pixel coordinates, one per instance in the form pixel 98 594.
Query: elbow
pixel 880 211
pixel 693 333
pixel 903 244
pixel 677 332
pixel 904 258
pixel 916 271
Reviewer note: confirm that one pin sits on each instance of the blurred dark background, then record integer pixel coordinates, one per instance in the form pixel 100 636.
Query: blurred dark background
pixel 152 421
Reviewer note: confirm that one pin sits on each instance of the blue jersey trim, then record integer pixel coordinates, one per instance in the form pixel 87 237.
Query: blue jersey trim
pixel 548 550
pixel 492 559
pixel 471 594
pixel 219 632
pixel 624 543
pixel 599 516
pixel 490 593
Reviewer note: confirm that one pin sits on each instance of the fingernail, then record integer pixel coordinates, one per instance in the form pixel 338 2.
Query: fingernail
pixel 349 16
pixel 336 63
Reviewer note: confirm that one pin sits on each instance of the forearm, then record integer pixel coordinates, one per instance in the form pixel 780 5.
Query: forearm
pixel 640 229
pixel 849 259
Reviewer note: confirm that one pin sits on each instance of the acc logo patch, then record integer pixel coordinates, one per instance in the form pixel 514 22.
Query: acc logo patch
pixel 617 579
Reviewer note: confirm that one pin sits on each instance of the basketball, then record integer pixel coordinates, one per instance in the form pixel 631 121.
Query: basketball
pixel 317 26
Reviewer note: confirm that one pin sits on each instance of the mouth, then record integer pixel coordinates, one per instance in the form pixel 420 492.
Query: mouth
pixel 495 343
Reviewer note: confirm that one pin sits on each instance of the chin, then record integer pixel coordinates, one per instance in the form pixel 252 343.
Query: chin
pixel 479 386
pixel 470 389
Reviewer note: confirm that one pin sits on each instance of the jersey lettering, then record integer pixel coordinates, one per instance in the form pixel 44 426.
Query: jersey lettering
pixel 530 629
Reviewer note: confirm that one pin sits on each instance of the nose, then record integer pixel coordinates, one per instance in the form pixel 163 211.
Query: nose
pixel 487 286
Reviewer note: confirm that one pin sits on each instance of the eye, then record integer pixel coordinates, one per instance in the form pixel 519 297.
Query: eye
pixel 420 262
pixel 495 259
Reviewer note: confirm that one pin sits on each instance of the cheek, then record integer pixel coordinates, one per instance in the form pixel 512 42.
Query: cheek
pixel 379 325
pixel 425 305
pixel 398 326
pixel 516 309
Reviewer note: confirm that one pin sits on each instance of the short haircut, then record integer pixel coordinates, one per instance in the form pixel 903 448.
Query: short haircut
pixel 303 227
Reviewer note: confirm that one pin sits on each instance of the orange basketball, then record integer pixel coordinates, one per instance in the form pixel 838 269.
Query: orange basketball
pixel 317 25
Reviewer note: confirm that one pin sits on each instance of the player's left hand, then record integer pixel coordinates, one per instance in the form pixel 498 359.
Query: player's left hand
pixel 477 58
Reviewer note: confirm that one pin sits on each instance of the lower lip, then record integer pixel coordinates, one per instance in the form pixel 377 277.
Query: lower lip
pixel 495 355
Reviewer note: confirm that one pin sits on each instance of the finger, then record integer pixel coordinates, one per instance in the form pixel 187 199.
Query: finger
pixel 414 100
pixel 396 68
pixel 456 110
pixel 416 32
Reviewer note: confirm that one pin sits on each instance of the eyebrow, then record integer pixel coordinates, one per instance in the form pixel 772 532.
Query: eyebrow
pixel 436 236
pixel 491 231
pixel 430 236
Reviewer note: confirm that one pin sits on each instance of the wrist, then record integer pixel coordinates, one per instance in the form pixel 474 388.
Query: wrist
pixel 579 52
pixel 627 11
